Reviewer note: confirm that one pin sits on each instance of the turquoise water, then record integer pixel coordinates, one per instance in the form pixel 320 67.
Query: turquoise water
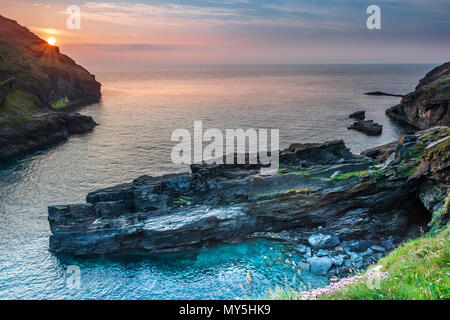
pixel 137 114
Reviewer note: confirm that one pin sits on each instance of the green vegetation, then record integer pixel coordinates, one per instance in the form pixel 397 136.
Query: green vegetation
pixel 438 216
pixel 184 200
pixel 17 107
pixel 441 150
pixel 60 103
pixel 344 176
pixel 445 94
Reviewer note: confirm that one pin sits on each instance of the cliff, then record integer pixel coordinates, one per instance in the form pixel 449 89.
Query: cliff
pixel 36 80
pixel 35 67
pixel 428 105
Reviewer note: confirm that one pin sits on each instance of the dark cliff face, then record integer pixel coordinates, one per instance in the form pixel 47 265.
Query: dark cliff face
pixel 428 105
pixel 40 69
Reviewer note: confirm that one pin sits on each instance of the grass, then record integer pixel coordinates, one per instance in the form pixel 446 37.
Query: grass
pixel 60 103
pixel 445 94
pixel 439 215
pixel 442 149
pixel 18 107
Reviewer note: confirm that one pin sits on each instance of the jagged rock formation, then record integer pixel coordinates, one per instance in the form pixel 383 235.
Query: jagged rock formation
pixel 428 105
pixel 35 80
pixel 342 212
pixel 360 115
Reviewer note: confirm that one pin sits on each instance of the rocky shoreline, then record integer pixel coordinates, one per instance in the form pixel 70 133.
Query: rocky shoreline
pixel 341 211
pixel 345 208
pixel 429 104
pixel 45 130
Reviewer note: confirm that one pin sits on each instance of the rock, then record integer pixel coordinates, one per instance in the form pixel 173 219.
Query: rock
pixel 303 266
pixel 378 248
pixel 360 115
pixel 357 245
pixel 315 153
pixel 380 154
pixel 49 129
pixel 320 265
pixel 322 253
pixel 183 211
pixel 367 126
pixel 428 105
pixel 323 241
pixel 380 93
pixel 338 260
pixel 335 174
pixel 301 248
pixel 388 244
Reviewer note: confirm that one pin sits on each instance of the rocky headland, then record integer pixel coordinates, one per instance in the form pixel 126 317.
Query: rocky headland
pixel 428 105
pixel 38 85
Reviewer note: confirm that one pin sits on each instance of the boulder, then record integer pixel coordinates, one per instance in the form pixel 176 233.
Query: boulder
pixel 360 115
pixel 320 265
pixel 323 241
pixel 367 126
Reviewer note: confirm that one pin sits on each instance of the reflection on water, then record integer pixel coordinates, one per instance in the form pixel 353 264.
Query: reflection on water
pixel 138 112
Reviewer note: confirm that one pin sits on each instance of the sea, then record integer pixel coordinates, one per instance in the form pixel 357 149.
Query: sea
pixel 139 110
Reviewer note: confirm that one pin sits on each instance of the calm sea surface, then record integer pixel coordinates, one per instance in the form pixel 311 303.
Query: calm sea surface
pixel 137 114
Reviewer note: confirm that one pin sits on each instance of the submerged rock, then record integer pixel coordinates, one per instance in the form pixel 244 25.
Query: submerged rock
pixel 320 265
pixel 381 93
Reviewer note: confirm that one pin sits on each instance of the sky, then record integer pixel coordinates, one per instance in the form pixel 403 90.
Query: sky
pixel 241 31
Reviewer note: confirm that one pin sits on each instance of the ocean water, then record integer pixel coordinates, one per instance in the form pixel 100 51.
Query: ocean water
pixel 137 114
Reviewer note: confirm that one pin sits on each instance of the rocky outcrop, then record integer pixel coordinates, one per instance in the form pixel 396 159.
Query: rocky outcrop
pixel 43 130
pixel 380 93
pixel 342 214
pixel 367 126
pixel 428 105
pixel 360 115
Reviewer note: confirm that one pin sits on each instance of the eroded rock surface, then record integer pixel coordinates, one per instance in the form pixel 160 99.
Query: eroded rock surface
pixel 351 218
pixel 428 105
pixel 367 126
pixel 45 130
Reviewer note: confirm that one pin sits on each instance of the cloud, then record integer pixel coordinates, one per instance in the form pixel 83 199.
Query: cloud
pixel 124 47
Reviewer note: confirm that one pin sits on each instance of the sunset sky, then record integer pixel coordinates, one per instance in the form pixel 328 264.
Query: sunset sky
pixel 241 31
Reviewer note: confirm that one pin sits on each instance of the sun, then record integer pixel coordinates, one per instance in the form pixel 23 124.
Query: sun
pixel 51 41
